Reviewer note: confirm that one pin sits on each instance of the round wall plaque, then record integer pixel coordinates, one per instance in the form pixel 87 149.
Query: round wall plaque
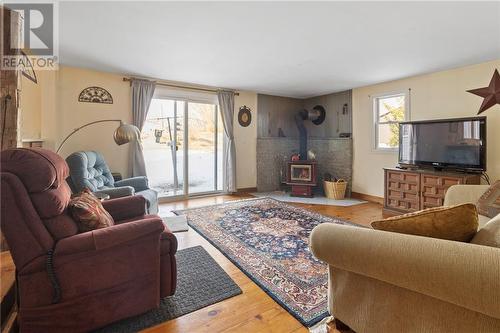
pixel 244 116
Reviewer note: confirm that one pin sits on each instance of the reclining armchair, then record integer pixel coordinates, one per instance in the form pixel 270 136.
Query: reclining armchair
pixel 88 169
pixel 383 281
pixel 76 282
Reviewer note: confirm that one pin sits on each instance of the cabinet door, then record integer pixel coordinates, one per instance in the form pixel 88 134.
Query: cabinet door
pixel 434 188
pixel 402 190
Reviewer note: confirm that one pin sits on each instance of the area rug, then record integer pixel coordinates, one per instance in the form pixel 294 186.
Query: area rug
pixel 269 241
pixel 200 282
pixel 316 200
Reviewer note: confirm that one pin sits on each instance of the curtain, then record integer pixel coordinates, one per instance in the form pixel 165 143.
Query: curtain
pixel 226 104
pixel 142 93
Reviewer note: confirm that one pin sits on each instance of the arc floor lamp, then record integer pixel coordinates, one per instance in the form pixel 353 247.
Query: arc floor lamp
pixel 124 133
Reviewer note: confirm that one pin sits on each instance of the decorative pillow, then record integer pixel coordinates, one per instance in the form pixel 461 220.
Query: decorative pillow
pixel 489 235
pixel 489 203
pixel 88 212
pixel 458 223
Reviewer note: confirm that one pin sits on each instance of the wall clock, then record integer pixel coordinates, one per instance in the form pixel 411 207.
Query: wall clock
pixel 244 116
pixel 95 95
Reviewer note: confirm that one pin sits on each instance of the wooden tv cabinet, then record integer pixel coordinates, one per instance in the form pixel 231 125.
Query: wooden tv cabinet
pixel 409 190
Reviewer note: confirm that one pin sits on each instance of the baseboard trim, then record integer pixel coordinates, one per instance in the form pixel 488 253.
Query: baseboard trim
pixel 367 197
pixel 246 190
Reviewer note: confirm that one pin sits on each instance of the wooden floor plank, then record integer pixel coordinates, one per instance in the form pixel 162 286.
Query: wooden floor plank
pixel 7 273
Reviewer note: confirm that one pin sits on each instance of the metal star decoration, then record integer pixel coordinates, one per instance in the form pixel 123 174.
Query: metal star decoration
pixel 491 93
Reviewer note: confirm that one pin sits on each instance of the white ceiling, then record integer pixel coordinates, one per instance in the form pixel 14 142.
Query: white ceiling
pixel 291 49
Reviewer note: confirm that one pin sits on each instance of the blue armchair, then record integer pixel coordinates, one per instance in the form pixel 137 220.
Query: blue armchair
pixel 89 169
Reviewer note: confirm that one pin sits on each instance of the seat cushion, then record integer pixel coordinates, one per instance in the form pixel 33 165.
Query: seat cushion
pixel 458 223
pixel 88 212
pixel 483 220
pixel 489 235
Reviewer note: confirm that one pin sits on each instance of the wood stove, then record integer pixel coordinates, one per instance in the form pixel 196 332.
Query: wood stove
pixel 302 177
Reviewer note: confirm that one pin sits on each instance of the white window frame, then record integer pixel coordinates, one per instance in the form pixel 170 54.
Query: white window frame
pixel 193 97
pixel 375 118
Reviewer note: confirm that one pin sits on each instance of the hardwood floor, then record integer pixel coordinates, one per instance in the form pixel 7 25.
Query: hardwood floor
pixel 253 310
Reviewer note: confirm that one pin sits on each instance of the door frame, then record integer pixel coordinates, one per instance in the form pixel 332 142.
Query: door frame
pixel 186 194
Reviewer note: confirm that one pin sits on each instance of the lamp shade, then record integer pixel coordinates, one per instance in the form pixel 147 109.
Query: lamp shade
pixel 126 133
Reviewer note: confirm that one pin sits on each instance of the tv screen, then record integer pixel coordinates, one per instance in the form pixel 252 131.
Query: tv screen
pixel 451 143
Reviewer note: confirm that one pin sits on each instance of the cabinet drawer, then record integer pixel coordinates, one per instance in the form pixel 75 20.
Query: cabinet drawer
pixel 432 180
pixel 403 177
pixel 401 186
pixel 403 205
pixel 407 191
pixel 429 201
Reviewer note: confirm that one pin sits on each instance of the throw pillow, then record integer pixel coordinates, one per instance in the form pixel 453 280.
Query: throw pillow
pixel 489 203
pixel 88 212
pixel 458 223
pixel 489 235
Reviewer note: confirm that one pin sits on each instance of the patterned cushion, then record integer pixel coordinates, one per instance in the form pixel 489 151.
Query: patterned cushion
pixel 489 203
pixel 458 223
pixel 88 212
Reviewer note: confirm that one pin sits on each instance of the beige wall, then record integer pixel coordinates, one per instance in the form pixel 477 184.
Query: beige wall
pixel 433 96
pixel 72 114
pixel 52 111
pixel 245 139
pixel 30 105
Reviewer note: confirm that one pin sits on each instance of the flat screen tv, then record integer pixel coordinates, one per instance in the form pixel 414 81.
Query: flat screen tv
pixel 458 144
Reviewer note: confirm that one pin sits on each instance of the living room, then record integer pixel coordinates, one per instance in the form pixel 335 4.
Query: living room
pixel 226 169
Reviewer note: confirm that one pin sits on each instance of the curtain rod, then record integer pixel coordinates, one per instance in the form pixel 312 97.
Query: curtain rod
pixel 178 86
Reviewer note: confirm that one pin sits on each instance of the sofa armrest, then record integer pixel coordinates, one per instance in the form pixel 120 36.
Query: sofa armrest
pixel 125 208
pixel 117 235
pixel 169 242
pixel 118 192
pixel 459 194
pixel 139 183
pixel 459 273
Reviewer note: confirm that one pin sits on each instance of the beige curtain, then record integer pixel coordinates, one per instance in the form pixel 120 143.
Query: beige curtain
pixel 226 104
pixel 142 94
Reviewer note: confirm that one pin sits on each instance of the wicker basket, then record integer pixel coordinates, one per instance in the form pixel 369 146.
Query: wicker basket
pixel 335 190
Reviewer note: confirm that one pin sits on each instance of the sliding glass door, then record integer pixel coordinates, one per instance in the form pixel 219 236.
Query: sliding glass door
pixel 204 132
pixel 182 142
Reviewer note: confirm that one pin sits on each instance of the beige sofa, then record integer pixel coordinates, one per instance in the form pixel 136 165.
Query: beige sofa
pixel 389 282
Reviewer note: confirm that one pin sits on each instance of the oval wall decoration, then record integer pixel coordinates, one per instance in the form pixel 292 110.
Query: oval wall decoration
pixel 244 116
pixel 95 95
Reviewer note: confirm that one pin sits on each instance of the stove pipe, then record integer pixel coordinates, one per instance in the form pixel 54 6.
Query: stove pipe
pixel 299 121
pixel 316 116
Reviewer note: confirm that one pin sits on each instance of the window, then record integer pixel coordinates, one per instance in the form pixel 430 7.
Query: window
pixel 388 111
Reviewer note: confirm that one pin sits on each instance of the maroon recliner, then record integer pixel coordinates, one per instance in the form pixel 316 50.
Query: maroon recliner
pixel 75 282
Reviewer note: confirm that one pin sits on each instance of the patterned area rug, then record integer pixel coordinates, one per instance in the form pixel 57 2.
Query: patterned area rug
pixel 268 240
